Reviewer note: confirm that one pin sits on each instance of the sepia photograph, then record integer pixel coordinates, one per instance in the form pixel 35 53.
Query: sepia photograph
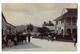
pixel 39 26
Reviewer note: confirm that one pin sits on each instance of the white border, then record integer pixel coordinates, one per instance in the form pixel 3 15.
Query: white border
pixel 78 24
pixel 39 1
pixel 43 1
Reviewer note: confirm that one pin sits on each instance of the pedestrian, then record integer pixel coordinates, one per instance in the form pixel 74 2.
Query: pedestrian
pixel 29 36
pixel 9 40
pixel 75 39
pixel 15 40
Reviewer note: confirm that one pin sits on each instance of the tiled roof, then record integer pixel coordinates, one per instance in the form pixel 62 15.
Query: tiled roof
pixel 71 12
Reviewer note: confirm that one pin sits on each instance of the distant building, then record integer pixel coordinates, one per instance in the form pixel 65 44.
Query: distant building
pixel 66 24
pixel 7 27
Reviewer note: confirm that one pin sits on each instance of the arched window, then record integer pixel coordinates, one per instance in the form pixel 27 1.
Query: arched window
pixel 69 31
pixel 74 31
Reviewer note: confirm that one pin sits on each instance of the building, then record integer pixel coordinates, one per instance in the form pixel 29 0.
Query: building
pixel 7 27
pixel 66 24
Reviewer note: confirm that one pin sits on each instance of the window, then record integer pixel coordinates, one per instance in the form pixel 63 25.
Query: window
pixel 68 20
pixel 74 20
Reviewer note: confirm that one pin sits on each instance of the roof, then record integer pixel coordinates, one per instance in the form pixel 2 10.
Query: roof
pixel 5 20
pixel 58 18
pixel 4 17
pixel 71 12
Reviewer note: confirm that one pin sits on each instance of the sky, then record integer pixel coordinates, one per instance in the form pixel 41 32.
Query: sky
pixel 34 13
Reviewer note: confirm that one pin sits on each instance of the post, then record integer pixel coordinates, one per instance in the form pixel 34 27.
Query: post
pixel 71 29
pixel 64 28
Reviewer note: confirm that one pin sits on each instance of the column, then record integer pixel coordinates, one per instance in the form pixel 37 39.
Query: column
pixel 64 28
pixel 71 29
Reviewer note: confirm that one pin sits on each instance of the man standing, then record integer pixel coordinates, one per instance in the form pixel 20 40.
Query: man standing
pixel 29 36
pixel 29 30
pixel 75 39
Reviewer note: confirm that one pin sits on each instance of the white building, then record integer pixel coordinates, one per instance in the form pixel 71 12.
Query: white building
pixel 66 24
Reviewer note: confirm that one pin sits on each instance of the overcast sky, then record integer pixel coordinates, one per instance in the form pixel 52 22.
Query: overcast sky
pixel 36 14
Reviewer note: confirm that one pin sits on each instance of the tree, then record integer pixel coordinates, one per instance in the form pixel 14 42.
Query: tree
pixel 30 27
pixel 45 23
pixel 50 23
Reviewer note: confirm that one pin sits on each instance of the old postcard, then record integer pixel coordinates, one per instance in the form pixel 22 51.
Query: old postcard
pixel 39 26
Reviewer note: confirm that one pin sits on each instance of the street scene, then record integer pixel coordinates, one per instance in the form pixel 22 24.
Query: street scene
pixel 39 27
pixel 43 45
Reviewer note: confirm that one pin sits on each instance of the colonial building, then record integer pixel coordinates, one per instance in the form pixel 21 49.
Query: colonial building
pixel 66 24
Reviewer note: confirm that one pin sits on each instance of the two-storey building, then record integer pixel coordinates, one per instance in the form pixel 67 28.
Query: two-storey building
pixel 66 24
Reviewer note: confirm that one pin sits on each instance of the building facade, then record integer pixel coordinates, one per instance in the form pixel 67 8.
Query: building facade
pixel 7 27
pixel 66 24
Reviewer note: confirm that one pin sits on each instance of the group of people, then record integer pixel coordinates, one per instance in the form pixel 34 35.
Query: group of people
pixel 23 37
pixel 10 40
pixel 14 39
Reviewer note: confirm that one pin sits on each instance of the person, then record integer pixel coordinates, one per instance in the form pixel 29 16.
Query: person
pixel 15 40
pixel 9 39
pixel 29 36
pixel 29 30
pixel 75 39
pixel 4 42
